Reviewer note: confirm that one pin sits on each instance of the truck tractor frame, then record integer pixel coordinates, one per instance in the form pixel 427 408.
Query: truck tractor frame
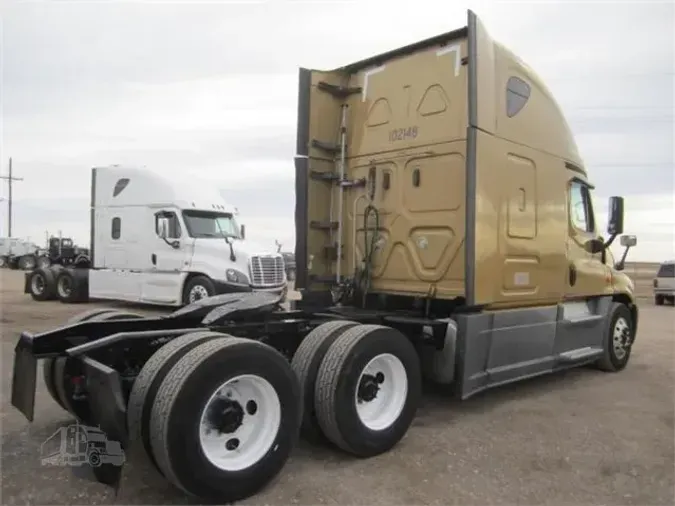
pixel 254 376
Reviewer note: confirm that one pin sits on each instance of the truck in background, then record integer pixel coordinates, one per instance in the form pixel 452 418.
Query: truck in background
pixel 444 228
pixel 17 253
pixel 289 260
pixel 62 251
pixel 156 241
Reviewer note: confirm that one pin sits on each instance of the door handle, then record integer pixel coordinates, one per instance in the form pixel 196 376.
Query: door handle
pixel 153 258
pixel 572 275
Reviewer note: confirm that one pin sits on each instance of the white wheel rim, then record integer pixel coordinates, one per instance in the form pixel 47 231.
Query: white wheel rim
pixel 254 420
pixel 380 412
pixel 620 337
pixel 37 284
pixel 197 293
pixel 64 287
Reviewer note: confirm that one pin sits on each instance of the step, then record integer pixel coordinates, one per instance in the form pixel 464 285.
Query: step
pixel 580 354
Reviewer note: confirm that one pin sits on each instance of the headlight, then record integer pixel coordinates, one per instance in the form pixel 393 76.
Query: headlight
pixel 234 276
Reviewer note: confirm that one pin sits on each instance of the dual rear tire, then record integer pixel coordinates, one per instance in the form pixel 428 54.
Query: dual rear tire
pixel 56 282
pixel 362 385
pixel 216 415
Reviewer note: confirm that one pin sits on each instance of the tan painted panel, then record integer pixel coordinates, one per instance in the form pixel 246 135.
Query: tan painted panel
pixel 410 117
pixel 411 101
pixel 541 123
pixel 521 257
pixel 421 228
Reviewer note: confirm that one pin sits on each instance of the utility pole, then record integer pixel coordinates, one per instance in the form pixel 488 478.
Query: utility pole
pixel 10 178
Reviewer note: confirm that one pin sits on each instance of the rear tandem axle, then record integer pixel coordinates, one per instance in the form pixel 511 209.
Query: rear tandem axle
pixel 222 364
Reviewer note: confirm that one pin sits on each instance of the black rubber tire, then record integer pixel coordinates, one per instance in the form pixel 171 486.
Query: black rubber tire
pixel 177 411
pixel 337 383
pixel 48 364
pixel 62 368
pixel 305 364
pixel 43 262
pixel 609 361
pixel 146 384
pixel 48 282
pixel 659 300
pixel 198 281
pixel 27 263
pixel 75 280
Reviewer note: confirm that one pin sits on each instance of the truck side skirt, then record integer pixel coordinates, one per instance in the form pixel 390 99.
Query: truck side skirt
pixel 499 347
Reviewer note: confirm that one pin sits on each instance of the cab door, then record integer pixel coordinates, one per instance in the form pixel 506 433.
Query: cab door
pixel 587 275
pixel 163 280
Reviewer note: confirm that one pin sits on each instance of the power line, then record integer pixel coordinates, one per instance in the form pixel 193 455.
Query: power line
pixel 10 179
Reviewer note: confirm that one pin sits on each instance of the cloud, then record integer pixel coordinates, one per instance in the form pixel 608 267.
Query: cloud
pixel 210 90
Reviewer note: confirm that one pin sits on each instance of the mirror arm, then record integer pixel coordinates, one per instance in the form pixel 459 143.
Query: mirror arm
pixel 233 257
pixel 609 241
pixel 173 244
pixel 619 266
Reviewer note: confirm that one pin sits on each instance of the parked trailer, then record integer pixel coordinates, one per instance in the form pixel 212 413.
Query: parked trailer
pixel 470 296
pixel 156 241
pixel 17 253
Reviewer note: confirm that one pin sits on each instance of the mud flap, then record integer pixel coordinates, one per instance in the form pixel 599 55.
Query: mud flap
pixel 24 381
pixel 108 412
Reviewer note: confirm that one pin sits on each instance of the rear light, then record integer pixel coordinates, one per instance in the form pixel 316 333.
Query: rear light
pixel 656 283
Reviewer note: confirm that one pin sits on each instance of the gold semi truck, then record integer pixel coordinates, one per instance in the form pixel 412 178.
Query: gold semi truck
pixel 444 229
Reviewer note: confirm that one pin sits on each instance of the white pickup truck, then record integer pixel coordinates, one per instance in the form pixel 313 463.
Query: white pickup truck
pixel 664 283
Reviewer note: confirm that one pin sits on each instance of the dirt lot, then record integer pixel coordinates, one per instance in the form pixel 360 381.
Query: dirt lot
pixel 582 437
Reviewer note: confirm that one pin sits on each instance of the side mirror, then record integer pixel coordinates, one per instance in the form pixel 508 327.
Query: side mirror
pixel 163 228
pixel 242 231
pixel 628 241
pixel 615 224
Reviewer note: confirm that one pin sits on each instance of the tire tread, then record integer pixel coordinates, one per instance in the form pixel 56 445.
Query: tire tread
pixel 327 381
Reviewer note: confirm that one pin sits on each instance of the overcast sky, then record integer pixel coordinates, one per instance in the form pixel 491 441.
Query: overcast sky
pixel 211 88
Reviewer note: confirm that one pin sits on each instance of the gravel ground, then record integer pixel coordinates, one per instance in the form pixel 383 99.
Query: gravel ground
pixel 581 437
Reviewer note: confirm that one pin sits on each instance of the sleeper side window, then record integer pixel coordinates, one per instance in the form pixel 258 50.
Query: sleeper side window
pixel 581 207
pixel 174 224
pixel 517 95
pixel 116 231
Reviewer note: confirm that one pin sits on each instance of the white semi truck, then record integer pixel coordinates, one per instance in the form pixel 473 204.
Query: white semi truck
pixel 158 241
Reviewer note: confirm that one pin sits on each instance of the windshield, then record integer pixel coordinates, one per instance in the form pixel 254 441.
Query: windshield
pixel 210 224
